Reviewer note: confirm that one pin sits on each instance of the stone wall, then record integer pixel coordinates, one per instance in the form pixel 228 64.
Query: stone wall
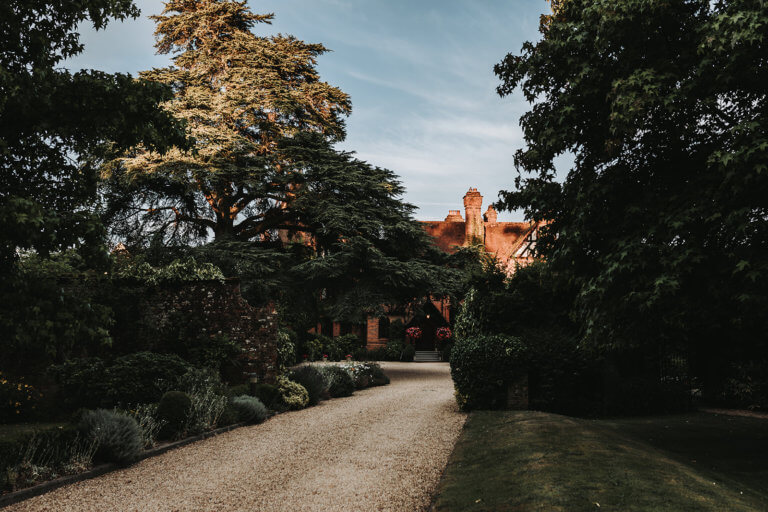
pixel 222 310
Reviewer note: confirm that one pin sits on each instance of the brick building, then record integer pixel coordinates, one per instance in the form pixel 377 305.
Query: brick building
pixel 512 243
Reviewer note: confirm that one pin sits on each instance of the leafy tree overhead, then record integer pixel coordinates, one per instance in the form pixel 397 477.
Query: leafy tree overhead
pixel 662 223
pixel 240 94
pixel 56 126
pixel 372 252
pixel 294 218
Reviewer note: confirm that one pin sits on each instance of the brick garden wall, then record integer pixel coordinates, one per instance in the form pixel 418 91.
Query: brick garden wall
pixel 222 310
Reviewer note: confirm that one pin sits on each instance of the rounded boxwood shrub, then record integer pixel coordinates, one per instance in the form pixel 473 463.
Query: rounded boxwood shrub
pixel 117 435
pixel 230 416
pixel 240 389
pixel 339 381
pixel 378 378
pixel 311 378
pixel 408 353
pixel 292 394
pixel 482 366
pixel 249 409
pixel 174 409
pixel 268 394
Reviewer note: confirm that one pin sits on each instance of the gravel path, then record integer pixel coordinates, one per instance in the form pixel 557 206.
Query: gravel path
pixel 382 449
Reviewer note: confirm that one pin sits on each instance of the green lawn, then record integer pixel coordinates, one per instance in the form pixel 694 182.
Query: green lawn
pixel 525 460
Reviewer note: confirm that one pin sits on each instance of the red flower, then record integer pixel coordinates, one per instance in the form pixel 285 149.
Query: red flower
pixel 414 332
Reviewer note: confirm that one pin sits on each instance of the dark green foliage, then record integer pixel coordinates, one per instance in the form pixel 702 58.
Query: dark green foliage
pixel 378 378
pixel 394 349
pixel 396 331
pixel 117 435
pixel 483 366
pixel 131 379
pixel 661 223
pixel 446 352
pixel 267 393
pixel 408 353
pixel 174 409
pixel 240 389
pixel 56 126
pixel 230 416
pixel 318 345
pixel 312 379
pixel 50 310
pixel 51 452
pixel 746 386
pixel 18 400
pixel 338 381
pixel 249 409
pixel 286 348
pixel 198 379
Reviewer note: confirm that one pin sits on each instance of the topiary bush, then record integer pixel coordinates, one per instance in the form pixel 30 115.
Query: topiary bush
pixel 249 409
pixel 483 366
pixel 408 353
pixel 311 378
pixel 293 395
pixel 240 389
pixel 378 378
pixel 268 394
pixel 174 409
pixel 338 381
pixel 229 416
pixel 117 436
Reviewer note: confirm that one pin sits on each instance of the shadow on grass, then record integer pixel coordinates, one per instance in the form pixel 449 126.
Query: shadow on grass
pixel 526 460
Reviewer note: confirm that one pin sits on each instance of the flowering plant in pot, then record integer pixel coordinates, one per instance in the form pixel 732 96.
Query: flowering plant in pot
pixel 443 333
pixel 414 333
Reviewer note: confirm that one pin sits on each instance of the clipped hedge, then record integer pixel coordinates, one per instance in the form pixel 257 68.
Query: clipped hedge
pixel 483 366
pixel 312 380
pixel 130 379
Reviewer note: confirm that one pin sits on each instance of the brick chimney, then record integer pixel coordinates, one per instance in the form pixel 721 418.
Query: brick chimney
pixel 474 228
pixel 491 215
pixel 454 216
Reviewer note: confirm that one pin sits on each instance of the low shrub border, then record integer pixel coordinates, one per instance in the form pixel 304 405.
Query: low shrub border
pixel 102 469
pixel 45 487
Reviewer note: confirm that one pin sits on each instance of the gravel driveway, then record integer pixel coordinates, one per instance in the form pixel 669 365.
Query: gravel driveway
pixel 382 449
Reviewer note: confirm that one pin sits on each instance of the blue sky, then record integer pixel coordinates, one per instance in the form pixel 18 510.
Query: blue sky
pixel 419 73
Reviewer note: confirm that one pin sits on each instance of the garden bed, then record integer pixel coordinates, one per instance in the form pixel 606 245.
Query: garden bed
pixel 37 461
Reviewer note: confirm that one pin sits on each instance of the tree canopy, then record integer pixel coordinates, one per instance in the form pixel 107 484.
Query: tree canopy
pixel 240 94
pixel 56 126
pixel 662 223
pixel 264 193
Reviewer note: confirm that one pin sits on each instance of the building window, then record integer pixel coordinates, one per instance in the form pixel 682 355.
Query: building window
pixel 383 327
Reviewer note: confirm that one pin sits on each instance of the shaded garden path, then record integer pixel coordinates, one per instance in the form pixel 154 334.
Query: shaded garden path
pixel 382 449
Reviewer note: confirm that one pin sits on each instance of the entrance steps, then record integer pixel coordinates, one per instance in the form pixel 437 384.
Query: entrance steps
pixel 426 356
